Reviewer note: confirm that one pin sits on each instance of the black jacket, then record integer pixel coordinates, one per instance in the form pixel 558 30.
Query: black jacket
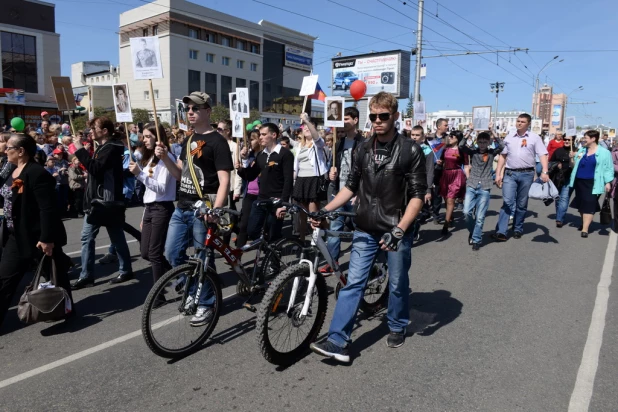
pixel 35 211
pixel 382 195
pixel 276 176
pixel 339 152
pixel 105 173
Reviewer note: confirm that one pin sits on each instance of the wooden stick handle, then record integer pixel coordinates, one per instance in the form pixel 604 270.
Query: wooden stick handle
pixel 126 130
pixel 154 109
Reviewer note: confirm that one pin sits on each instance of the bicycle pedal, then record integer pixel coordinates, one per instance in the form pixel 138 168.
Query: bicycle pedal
pixel 249 307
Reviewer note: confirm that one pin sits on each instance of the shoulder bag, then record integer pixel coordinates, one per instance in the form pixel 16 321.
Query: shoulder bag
pixel 323 182
pixel 606 212
pixel 45 304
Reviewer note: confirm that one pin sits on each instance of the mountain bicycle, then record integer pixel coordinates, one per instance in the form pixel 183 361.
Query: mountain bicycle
pixel 175 297
pixel 294 307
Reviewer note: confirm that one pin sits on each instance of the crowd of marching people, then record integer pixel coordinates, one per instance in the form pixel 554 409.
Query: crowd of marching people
pixel 396 182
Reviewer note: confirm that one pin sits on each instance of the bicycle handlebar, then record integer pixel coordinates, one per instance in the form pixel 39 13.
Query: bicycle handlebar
pixel 296 208
pixel 217 211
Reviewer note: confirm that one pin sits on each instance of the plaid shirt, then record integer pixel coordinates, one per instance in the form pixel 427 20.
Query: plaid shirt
pixel 481 170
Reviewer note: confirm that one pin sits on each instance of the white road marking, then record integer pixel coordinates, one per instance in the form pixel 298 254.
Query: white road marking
pixel 584 384
pixel 84 353
pixel 77 252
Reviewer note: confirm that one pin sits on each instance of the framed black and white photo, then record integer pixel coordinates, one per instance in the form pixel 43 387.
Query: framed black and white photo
pixel 181 115
pixel 242 95
pixel 367 127
pixel 419 110
pixel 571 128
pixel 333 111
pixel 481 116
pixel 122 104
pixel 146 58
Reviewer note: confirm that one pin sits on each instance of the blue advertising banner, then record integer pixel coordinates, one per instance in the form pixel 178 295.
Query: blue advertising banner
pixel 298 58
pixel 556 115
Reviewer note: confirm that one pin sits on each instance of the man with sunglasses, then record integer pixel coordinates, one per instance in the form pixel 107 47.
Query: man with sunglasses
pixel 203 170
pixel 389 181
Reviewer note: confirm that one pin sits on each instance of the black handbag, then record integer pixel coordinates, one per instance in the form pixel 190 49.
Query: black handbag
pixel 40 305
pixel 108 214
pixel 323 181
pixel 606 212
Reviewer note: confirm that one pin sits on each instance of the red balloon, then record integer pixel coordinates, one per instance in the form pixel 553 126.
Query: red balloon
pixel 358 89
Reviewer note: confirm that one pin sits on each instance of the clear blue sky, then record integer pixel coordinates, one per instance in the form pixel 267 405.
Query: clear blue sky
pixel 547 27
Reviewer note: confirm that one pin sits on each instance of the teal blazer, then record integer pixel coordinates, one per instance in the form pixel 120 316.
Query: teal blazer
pixel 603 172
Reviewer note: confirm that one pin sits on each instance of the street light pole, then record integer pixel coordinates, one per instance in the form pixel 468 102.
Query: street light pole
pixel 535 104
pixel 419 47
pixel 496 87
pixel 566 102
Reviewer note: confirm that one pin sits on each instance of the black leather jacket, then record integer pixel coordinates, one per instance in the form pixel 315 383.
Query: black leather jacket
pixel 383 195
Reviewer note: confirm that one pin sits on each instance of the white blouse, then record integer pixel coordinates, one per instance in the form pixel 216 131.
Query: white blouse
pixel 161 187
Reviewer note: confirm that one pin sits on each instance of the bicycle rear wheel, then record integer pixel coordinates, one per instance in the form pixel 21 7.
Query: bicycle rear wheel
pixel 284 334
pixel 286 252
pixel 376 291
pixel 170 306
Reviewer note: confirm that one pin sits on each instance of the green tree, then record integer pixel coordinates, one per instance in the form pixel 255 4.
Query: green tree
pixel 410 107
pixel 254 115
pixel 219 113
pixel 141 116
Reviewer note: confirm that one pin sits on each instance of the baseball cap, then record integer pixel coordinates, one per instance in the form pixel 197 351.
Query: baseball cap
pixel 58 151
pixel 197 98
pixel 44 114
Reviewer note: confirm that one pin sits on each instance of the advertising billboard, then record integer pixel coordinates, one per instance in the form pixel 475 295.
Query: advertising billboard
pixel 556 115
pixel 298 58
pixel 384 71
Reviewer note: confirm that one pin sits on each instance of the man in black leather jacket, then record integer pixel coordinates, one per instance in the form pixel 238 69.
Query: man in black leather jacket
pixel 389 180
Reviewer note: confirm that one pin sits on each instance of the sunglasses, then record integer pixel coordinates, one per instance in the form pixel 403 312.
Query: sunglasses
pixel 382 116
pixel 220 129
pixel 193 109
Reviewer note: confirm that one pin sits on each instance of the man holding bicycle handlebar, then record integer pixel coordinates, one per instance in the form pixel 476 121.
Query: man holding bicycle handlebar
pixel 389 180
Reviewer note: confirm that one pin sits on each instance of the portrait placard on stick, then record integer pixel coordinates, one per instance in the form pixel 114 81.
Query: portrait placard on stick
pixel 571 128
pixel 481 116
pixel 242 98
pixel 181 115
pixel 146 58
pixel 333 111
pixel 419 110
pixel 537 126
pixel 64 96
pixel 122 103
pixel 308 86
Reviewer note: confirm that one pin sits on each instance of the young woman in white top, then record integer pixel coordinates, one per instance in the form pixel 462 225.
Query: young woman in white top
pixel 158 198
pixel 309 165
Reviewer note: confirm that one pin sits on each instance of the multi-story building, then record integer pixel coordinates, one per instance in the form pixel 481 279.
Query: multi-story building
pixel 460 120
pixel 550 108
pixel 99 73
pixel 203 49
pixel 30 50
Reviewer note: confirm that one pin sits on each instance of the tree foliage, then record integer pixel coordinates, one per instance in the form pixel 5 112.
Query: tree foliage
pixel 410 107
pixel 219 113
pixel 139 116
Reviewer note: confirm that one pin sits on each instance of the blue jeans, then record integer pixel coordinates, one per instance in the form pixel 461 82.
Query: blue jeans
pixel 183 228
pixel 116 237
pixel 563 203
pixel 334 243
pixel 476 198
pixel 256 221
pixel 515 188
pixel 364 248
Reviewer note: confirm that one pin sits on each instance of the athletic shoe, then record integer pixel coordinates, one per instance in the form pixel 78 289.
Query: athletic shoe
pixel 517 235
pixel 476 246
pixel 395 339
pixel 470 240
pixel 332 351
pixel 108 258
pixel 188 302
pixel 203 315
pixel 498 237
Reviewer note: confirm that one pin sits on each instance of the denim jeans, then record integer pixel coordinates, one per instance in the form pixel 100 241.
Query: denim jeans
pixel 563 203
pixel 515 188
pixel 256 221
pixel 183 228
pixel 116 237
pixel 476 198
pixel 334 243
pixel 364 248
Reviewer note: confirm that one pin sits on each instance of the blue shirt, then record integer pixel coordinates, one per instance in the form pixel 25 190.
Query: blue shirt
pixel 586 167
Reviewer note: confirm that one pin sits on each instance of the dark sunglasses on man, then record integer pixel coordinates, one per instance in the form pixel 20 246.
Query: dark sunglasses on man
pixel 194 109
pixel 382 116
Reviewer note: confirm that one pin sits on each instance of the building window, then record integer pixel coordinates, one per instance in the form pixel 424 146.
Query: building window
pixel 194 33
pixel 194 81
pixel 210 37
pixel 254 95
pixel 193 54
pixel 240 64
pixel 240 45
pixel 145 33
pixel 241 82
pixel 108 77
pixel 146 95
pixel 253 67
pixel 210 86
pixel 226 89
pixel 255 48
pixel 225 41
pixel 225 61
pixel 19 64
pixel 155 29
pixel 210 58
pixel 156 93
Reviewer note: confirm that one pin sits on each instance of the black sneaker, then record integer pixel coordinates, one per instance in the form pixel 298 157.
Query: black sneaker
pixel 517 235
pixel 332 351
pixel 498 237
pixel 476 246
pixel 470 240
pixel 395 339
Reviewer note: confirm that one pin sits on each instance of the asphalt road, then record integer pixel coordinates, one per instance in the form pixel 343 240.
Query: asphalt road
pixel 502 329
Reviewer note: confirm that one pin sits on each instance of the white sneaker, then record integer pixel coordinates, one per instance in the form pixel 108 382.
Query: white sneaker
pixel 188 302
pixel 203 315
pixel 108 258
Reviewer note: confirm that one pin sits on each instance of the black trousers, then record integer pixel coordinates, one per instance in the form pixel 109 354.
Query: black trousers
pixel 436 199
pixel 155 223
pixel 13 268
pixel 78 197
pixel 247 202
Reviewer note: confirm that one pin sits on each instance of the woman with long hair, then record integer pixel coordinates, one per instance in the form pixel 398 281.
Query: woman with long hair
pixel 309 165
pixel 252 189
pixel 32 225
pixel 453 180
pixel 560 168
pixel 591 177
pixel 158 198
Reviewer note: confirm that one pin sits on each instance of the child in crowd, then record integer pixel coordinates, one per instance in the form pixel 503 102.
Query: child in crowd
pixel 62 188
pixel 77 183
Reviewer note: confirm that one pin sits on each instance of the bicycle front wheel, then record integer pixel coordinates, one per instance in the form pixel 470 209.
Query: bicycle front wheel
pixel 284 333
pixel 285 253
pixel 175 320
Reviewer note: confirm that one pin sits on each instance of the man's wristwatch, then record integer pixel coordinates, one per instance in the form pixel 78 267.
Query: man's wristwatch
pixel 544 173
